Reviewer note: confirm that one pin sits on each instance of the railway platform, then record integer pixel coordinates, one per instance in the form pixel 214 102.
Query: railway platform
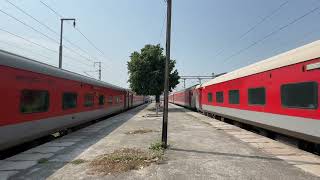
pixel 199 148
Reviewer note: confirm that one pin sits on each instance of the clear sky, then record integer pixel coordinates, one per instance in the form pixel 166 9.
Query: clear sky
pixel 205 33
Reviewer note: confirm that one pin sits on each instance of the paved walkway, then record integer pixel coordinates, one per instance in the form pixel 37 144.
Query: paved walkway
pixel 200 148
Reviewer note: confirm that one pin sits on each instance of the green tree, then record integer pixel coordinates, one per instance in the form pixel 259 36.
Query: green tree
pixel 146 71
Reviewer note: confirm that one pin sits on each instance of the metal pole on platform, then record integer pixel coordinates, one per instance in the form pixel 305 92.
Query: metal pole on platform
pixel 166 79
pixel 61 36
pixel 99 68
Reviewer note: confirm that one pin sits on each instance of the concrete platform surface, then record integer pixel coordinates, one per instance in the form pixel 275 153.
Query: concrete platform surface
pixel 200 148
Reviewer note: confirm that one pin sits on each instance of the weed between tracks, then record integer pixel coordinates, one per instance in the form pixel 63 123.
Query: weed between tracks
pixel 127 159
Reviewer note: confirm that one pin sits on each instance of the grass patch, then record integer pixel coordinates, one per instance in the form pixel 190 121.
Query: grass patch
pixel 124 160
pixel 78 161
pixel 140 131
pixel 156 146
pixel 42 160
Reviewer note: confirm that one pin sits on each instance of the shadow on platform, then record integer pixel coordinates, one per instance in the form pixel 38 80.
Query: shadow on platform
pixel 239 155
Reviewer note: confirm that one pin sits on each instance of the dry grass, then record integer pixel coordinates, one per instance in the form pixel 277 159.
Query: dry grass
pixel 124 160
pixel 140 131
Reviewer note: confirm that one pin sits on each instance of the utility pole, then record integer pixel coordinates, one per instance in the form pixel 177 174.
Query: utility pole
pixel 166 79
pixel 99 68
pixel 61 31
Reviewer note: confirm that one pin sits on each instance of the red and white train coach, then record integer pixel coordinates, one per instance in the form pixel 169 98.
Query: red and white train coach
pixel 280 94
pixel 38 99
pixel 184 97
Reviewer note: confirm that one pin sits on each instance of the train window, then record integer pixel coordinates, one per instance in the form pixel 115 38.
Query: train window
pixel 300 95
pixel 110 100
pixel 117 99
pixel 88 100
pixel 219 97
pixel 101 100
pixel 257 96
pixel 209 97
pixel 234 97
pixel 69 100
pixel 34 101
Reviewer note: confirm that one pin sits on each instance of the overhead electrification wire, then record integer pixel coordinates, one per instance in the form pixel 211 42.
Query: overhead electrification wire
pixel 24 49
pixel 300 40
pixel 76 60
pixel 265 18
pixel 24 12
pixel 34 29
pixel 35 53
pixel 89 41
pixel 272 33
pixel 42 46
pixel 101 52
pixel 48 37
pixel 27 40
pixel 51 9
pixel 47 27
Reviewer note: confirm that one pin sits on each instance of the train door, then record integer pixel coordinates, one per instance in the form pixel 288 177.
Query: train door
pixel 200 99
pixel 197 98
pixel 193 98
pixel 189 97
pixel 127 97
pixel 129 100
pixel 125 100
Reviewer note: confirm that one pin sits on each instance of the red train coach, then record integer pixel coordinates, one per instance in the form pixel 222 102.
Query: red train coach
pixel 185 97
pixel 280 94
pixel 38 99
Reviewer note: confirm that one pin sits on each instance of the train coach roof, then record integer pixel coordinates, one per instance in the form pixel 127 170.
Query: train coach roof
pixel 20 62
pixel 301 54
pixel 182 90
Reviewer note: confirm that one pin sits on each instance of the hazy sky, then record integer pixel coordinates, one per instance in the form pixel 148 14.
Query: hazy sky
pixel 205 33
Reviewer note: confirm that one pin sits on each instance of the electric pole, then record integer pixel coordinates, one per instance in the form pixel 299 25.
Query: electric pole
pixel 61 31
pixel 99 68
pixel 166 79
